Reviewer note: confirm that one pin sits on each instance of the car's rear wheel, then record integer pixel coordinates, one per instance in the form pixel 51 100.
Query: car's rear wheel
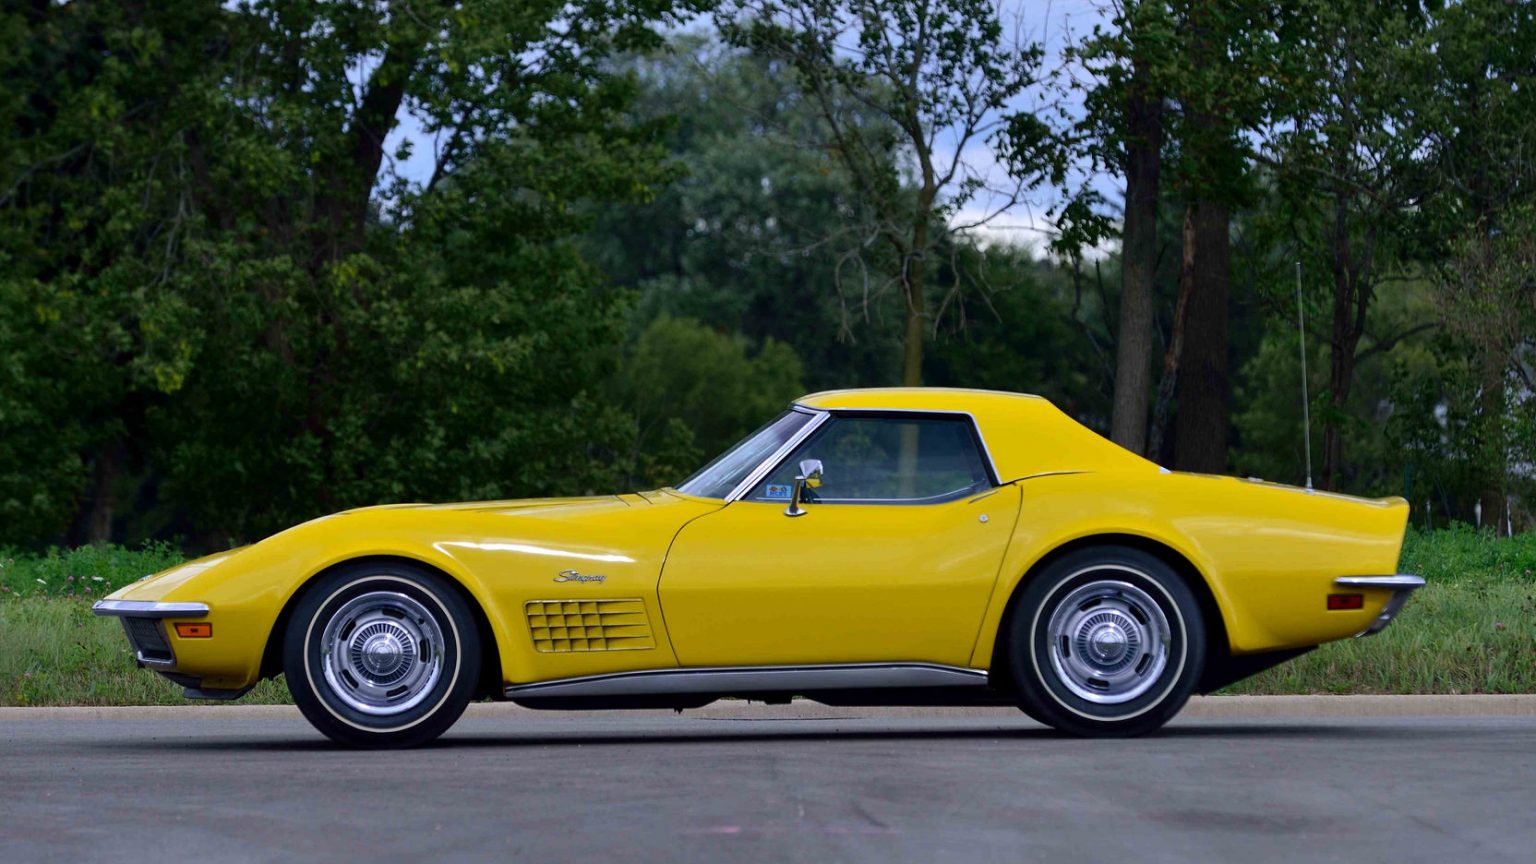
pixel 381 654
pixel 1105 641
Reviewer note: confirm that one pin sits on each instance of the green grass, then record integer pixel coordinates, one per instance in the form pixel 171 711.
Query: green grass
pixel 1472 629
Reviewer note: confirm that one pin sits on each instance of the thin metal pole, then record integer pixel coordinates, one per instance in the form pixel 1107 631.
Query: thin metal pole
pixel 1306 405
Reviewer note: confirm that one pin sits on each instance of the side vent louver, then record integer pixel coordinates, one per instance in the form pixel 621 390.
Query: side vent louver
pixel 560 626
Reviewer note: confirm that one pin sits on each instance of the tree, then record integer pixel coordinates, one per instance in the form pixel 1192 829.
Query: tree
pixel 1123 128
pixel 694 391
pixel 1483 120
pixel 1020 334
pixel 265 304
pixel 1221 88
pixel 941 76
pixel 754 237
pixel 1349 152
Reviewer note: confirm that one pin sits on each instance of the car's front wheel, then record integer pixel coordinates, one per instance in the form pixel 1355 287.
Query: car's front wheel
pixel 381 654
pixel 1105 641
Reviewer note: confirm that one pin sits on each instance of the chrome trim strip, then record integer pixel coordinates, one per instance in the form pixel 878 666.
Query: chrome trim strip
pixel 774 458
pixel 756 679
pixel 148 609
pixel 997 479
pixel 1402 586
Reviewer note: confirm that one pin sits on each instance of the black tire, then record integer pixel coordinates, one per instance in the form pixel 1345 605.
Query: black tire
pixel 1083 639
pixel 404 658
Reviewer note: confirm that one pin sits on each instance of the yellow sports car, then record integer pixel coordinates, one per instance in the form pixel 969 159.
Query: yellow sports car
pixel 865 547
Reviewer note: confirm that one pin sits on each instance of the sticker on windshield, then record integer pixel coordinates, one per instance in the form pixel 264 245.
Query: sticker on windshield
pixel 777 491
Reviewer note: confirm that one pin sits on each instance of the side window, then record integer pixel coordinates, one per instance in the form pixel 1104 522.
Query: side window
pixel 885 460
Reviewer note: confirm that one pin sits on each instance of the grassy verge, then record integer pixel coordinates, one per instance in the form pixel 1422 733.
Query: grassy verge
pixel 1471 630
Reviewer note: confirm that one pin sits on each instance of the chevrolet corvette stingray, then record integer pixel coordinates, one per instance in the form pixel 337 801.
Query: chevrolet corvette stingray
pixel 865 547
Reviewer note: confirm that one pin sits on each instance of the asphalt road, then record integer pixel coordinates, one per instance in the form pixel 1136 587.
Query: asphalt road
pixel 556 788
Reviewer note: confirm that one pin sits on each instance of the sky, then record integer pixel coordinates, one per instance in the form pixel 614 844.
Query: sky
pixel 1052 22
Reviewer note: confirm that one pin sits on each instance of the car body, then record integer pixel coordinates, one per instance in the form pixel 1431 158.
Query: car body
pixel 930 518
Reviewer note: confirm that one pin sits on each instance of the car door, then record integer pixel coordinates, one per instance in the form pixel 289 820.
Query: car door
pixel 894 558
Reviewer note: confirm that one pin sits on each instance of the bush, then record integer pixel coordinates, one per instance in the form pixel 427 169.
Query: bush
pixel 86 572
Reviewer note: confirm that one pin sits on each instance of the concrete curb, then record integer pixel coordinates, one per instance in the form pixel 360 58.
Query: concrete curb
pixel 1224 707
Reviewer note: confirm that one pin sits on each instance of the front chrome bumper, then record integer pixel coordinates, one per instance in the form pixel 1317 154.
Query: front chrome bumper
pixel 149 609
pixel 144 624
pixel 1402 586
pixel 146 632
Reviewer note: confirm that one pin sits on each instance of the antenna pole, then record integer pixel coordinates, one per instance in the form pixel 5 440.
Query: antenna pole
pixel 1306 406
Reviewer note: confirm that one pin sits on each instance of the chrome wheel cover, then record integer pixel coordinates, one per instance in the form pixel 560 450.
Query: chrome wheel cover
pixel 1109 641
pixel 382 653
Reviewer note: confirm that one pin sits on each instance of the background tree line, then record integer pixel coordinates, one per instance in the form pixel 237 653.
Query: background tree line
pixel 226 306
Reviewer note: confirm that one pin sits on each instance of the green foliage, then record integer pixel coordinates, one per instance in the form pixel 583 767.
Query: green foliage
pixel 1460 557
pixel 222 308
pixel 1020 332
pixel 86 572
pixel 758 237
pixel 939 77
pixel 694 391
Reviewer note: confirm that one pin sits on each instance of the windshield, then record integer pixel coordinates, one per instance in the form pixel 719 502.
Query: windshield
pixel 718 478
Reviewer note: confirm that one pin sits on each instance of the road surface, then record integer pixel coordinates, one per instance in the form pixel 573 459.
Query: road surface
pixel 555 788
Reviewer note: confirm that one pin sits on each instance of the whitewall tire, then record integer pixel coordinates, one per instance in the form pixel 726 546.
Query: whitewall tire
pixel 1105 641
pixel 381 654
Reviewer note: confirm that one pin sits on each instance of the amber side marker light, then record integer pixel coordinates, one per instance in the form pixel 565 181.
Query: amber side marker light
pixel 1335 602
pixel 204 630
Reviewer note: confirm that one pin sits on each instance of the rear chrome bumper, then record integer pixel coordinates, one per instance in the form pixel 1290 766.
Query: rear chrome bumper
pixel 1402 586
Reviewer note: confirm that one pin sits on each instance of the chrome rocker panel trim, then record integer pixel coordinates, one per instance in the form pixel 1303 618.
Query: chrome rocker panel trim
pixel 756 679
pixel 148 609
pixel 1402 586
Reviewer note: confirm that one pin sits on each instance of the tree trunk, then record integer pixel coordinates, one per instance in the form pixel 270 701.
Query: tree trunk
pixel 1138 256
pixel 1491 406
pixel 913 288
pixel 912 345
pixel 1341 371
pixel 1166 384
pixel 98 527
pixel 1351 299
pixel 913 274
pixel 1201 443
pixel 1341 368
pixel 343 211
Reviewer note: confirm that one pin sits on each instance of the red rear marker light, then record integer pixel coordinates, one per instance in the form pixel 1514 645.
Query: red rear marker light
pixel 204 630
pixel 1335 602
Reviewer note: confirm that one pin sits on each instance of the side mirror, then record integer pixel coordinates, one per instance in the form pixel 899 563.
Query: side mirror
pixel 810 470
pixel 810 478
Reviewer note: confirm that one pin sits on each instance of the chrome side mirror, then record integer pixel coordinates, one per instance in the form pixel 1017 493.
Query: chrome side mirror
pixel 810 478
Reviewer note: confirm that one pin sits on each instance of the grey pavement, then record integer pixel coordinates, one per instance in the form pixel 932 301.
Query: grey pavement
pixel 846 785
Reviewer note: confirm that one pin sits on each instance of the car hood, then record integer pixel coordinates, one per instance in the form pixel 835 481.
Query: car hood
pixel 484 541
